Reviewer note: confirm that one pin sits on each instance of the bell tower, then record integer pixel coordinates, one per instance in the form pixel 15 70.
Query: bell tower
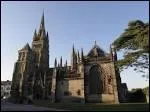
pixel 40 46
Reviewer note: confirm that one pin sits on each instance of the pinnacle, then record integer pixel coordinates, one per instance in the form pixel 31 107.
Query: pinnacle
pixel 42 20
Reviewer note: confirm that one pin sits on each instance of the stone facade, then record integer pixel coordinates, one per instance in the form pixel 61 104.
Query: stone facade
pixel 90 78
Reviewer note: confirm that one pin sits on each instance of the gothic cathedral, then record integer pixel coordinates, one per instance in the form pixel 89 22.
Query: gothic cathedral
pixel 91 78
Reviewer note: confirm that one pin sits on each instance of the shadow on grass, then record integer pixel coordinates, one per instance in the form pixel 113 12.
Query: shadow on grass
pixel 95 107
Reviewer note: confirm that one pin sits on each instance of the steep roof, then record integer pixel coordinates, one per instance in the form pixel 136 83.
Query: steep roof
pixel 96 51
pixel 26 47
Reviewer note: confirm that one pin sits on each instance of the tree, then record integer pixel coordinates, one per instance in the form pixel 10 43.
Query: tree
pixel 146 90
pixel 137 95
pixel 134 41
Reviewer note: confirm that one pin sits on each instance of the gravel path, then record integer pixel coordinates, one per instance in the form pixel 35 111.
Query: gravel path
pixel 7 106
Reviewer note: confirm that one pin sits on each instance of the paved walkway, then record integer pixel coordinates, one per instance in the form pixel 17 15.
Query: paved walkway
pixel 7 106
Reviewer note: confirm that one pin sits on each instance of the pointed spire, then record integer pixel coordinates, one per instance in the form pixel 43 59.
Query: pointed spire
pixel 73 51
pixel 78 57
pixel 74 54
pixel 73 58
pixel 66 63
pixel 42 21
pixel 95 42
pixel 58 65
pixel 55 63
pixel 82 55
pixel 66 66
pixel 61 61
pixel 47 35
pixel 78 54
pixel 82 52
pixel 35 34
pixel 42 27
pixel 27 45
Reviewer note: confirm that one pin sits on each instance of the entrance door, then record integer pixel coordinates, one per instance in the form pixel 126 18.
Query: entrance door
pixel 95 84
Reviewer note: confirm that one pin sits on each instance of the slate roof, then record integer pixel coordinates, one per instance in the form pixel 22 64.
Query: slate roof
pixel 96 51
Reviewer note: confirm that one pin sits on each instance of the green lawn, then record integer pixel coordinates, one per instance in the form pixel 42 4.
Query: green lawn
pixel 95 107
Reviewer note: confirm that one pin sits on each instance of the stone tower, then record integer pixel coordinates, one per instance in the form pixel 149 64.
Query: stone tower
pixel 22 70
pixel 31 68
pixel 40 47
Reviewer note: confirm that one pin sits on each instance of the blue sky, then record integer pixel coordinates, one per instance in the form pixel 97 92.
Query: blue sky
pixel 68 23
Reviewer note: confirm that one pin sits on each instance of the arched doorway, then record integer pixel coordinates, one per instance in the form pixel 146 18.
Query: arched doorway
pixel 95 85
pixel 95 80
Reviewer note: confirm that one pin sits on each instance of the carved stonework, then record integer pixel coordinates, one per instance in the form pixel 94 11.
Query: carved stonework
pixel 90 78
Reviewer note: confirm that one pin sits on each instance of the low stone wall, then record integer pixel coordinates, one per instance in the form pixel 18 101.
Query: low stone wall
pixel 94 98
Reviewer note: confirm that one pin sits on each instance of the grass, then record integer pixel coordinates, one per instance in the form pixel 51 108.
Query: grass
pixel 95 107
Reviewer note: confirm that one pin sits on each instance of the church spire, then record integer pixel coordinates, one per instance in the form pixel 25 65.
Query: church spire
pixel 73 51
pixel 74 54
pixel 35 35
pixel 78 57
pixel 61 61
pixel 42 28
pixel 66 63
pixel 66 66
pixel 95 42
pixel 74 58
pixel 55 63
pixel 42 21
pixel 58 65
pixel 47 35
pixel 82 56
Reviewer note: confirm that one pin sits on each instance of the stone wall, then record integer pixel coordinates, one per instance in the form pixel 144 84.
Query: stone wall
pixel 108 75
pixel 101 98
pixel 71 89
